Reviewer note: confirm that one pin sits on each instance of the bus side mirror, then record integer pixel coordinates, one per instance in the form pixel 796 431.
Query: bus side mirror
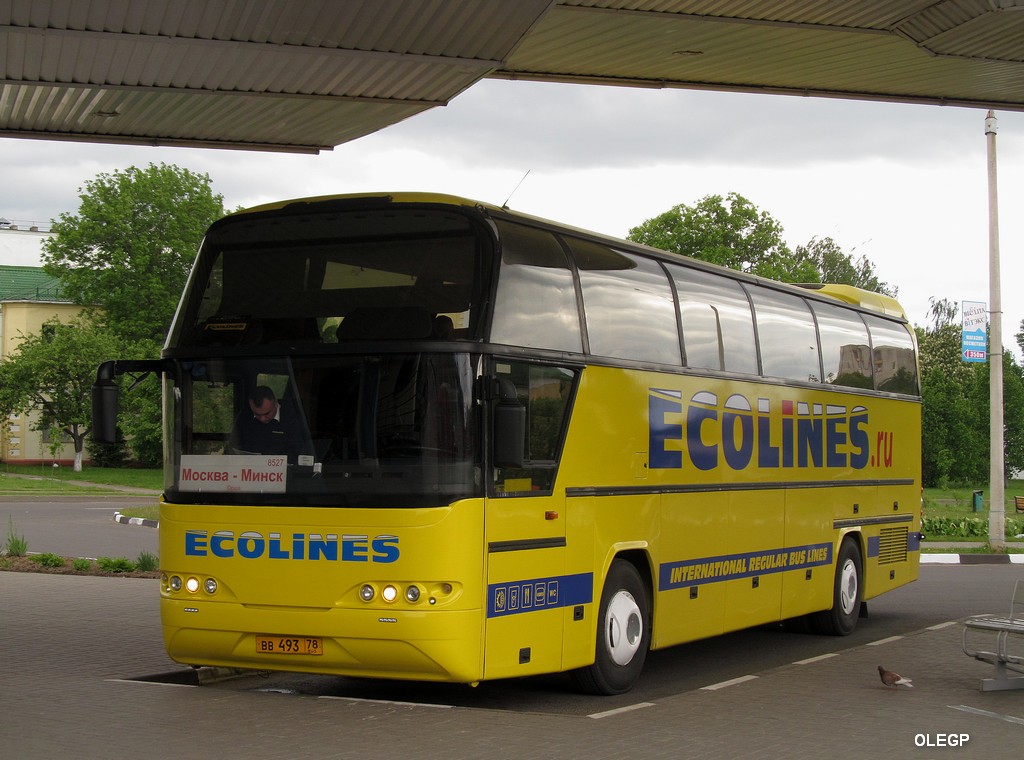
pixel 509 426
pixel 105 398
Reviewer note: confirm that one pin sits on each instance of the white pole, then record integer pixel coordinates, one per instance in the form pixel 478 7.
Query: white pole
pixel 996 514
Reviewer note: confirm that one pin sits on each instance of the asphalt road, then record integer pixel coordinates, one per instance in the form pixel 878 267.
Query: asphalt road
pixel 75 526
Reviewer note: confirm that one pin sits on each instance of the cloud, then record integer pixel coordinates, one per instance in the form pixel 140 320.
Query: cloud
pixel 554 126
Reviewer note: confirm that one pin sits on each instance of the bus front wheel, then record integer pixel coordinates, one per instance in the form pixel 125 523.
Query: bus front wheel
pixel 623 633
pixel 846 594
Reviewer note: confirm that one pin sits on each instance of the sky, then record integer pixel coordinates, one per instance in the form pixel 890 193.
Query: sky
pixel 904 185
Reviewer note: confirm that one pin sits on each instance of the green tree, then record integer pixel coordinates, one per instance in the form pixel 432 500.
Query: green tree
pixel 951 445
pixel 728 231
pixel 836 267
pixel 52 372
pixel 734 233
pixel 127 253
pixel 129 248
pixel 955 406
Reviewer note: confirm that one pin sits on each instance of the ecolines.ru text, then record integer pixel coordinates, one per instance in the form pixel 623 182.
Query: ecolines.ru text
pixel 745 435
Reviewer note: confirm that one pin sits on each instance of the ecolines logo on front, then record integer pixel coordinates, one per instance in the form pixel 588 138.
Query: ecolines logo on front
pixel 252 544
pixel 740 434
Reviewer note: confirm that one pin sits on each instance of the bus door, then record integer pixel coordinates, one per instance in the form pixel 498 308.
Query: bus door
pixel 525 532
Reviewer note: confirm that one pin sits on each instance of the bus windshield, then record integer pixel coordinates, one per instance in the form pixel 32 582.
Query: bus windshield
pixel 368 430
pixel 320 359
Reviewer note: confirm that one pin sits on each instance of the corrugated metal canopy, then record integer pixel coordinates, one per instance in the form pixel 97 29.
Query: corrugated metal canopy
pixel 306 76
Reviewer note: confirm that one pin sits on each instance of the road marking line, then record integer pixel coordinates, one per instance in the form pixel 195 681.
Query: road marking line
pixel 820 657
pixel 620 710
pixel 940 626
pixel 386 702
pixel 883 641
pixel 732 682
pixel 149 683
pixel 987 714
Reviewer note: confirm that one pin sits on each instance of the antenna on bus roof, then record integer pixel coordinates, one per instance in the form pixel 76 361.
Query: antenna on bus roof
pixel 505 204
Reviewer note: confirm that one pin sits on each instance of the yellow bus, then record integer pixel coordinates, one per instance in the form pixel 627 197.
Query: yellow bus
pixel 414 436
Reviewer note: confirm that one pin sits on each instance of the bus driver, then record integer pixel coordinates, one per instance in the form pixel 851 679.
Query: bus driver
pixel 262 430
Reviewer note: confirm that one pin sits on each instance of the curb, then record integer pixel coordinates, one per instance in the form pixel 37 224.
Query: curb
pixel 972 559
pixel 125 520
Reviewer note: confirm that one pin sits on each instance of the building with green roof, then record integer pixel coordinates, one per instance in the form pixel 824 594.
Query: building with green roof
pixel 28 298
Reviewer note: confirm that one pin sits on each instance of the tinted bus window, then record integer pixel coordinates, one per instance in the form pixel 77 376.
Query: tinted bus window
pixel 893 352
pixel 718 329
pixel 845 348
pixel 785 332
pixel 628 304
pixel 545 392
pixel 315 278
pixel 536 300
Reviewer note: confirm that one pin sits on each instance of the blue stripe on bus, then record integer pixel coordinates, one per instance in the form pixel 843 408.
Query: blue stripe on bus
pixel 727 567
pixel 537 594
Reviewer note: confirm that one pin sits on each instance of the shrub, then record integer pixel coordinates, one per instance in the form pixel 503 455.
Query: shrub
pixel 81 564
pixel 49 559
pixel 146 562
pixel 966 527
pixel 109 454
pixel 17 546
pixel 115 565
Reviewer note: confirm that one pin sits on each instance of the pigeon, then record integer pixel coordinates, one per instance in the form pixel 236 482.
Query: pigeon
pixel 893 680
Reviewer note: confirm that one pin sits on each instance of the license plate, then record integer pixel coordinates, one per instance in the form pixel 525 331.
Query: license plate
pixel 289 645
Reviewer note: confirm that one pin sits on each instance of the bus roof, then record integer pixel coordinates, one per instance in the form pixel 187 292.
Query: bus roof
pixel 400 197
pixel 866 299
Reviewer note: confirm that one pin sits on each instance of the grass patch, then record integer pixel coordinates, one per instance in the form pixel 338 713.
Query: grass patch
pixel 147 512
pixel 49 479
pixel 949 514
pixel 959 501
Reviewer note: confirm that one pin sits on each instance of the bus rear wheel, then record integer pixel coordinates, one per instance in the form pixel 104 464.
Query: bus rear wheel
pixel 623 633
pixel 846 594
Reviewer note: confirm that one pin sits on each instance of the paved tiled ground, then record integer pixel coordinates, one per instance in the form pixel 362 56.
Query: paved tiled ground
pixel 66 641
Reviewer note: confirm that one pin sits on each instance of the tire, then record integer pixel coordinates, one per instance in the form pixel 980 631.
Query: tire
pixel 623 633
pixel 846 594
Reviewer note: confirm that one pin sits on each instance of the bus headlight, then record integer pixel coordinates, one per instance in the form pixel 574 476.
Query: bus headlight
pixel 412 593
pixel 389 593
pixel 175 583
pixel 210 586
pixel 366 593
pixel 192 585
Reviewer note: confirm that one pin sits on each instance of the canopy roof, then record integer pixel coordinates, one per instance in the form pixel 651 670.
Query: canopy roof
pixel 306 76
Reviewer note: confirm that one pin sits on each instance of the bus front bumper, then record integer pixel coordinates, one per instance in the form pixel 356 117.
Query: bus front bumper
pixel 433 645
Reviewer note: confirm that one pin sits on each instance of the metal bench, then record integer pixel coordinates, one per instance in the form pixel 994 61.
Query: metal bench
pixel 999 655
